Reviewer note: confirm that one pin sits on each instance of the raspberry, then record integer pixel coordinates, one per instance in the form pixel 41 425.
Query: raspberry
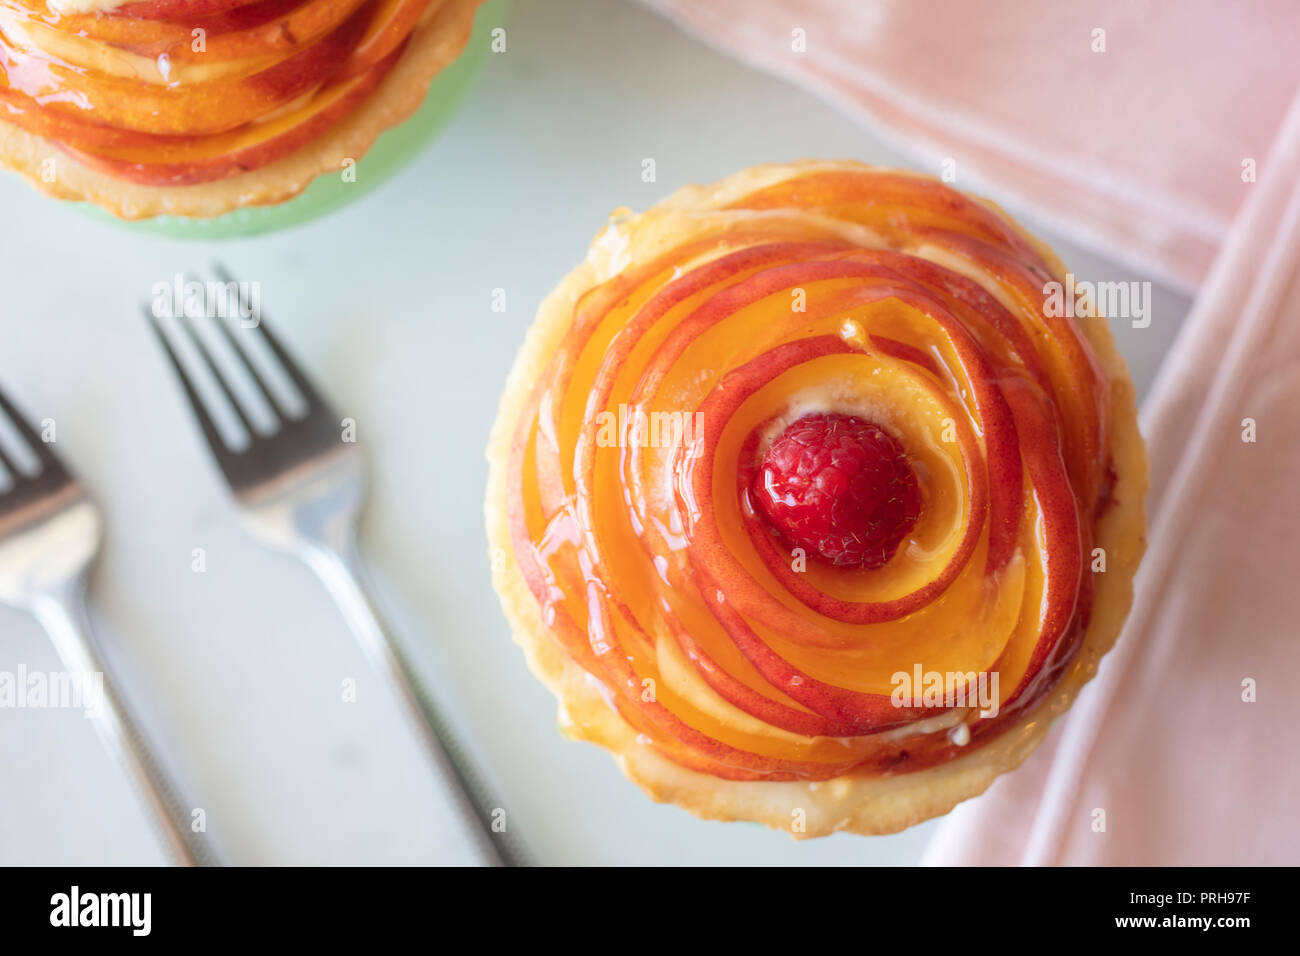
pixel 840 487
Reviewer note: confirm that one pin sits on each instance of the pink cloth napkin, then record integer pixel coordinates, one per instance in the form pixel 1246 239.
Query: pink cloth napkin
pixel 1186 770
pixel 1138 149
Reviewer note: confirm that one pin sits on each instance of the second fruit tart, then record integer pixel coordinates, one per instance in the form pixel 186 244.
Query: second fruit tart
pixel 197 107
pixel 808 505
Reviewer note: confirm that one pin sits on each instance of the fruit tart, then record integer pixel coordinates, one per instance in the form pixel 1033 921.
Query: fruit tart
pixel 808 501
pixel 197 107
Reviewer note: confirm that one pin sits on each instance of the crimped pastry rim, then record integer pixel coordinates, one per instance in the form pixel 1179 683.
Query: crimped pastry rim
pixel 855 804
pixel 437 40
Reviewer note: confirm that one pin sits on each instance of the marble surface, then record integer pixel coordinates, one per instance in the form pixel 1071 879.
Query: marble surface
pixel 388 303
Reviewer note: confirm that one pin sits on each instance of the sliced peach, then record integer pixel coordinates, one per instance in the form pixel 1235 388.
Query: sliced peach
pixel 162 52
pixel 257 144
pixel 201 109
pixel 178 10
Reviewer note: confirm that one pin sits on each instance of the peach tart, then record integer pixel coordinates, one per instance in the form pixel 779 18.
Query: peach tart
pixel 807 502
pixel 197 107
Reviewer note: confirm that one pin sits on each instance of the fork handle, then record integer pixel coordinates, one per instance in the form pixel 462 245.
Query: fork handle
pixel 63 615
pixel 340 569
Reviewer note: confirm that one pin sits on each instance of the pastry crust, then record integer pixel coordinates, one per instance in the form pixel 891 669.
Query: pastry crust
pixel 436 41
pixel 865 805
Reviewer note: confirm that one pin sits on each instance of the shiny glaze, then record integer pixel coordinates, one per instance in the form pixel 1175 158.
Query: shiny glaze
pixel 177 92
pixel 921 310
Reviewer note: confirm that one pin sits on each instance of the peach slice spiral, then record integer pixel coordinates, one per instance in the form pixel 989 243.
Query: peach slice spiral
pixel 876 294
pixel 183 92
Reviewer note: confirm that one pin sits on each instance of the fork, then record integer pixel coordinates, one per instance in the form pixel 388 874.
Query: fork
pixel 50 534
pixel 299 490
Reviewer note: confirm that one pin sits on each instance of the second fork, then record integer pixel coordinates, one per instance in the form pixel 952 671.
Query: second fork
pixel 50 533
pixel 299 490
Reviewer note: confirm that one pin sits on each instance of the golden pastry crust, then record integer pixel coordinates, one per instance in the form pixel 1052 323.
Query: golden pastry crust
pixel 436 41
pixel 865 805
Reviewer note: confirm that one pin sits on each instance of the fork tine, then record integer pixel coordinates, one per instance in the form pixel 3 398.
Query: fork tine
pixel 300 380
pixel 188 325
pixel 41 449
pixel 209 427
pixel 9 466
pixel 241 352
